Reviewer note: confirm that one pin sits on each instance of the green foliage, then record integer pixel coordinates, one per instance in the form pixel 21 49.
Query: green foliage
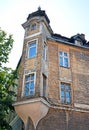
pixel 7 80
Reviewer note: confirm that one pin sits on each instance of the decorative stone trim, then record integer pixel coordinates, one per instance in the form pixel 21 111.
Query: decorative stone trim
pixel 31 101
pixel 33 35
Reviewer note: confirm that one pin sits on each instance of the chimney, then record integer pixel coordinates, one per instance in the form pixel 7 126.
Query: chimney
pixel 82 36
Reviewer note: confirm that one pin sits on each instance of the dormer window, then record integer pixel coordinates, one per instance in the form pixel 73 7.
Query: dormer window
pixel 78 42
pixel 33 27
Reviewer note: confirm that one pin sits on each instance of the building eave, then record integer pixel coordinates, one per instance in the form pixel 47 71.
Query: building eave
pixel 65 42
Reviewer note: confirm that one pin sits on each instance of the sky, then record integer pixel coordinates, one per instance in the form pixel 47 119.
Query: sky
pixel 67 17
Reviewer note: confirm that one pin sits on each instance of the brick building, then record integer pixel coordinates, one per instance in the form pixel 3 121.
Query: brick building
pixel 53 92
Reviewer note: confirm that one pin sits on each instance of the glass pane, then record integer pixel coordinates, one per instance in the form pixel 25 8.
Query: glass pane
pixel 62 93
pixel 33 27
pixel 68 100
pixel 65 54
pixel 27 85
pixel 62 99
pixel 67 94
pixel 27 78
pixel 61 61
pixel 32 92
pixel 27 89
pixel 26 92
pixel 67 87
pixel 32 85
pixel 61 53
pixel 62 86
pixel 66 62
pixel 32 52
pixel 32 44
pixel 32 76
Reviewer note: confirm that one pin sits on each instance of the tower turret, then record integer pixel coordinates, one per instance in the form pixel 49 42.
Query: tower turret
pixel 33 69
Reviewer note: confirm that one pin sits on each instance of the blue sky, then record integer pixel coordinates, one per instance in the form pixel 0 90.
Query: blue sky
pixel 67 17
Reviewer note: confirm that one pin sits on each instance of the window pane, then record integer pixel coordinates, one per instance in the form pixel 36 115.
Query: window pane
pixel 27 89
pixel 65 93
pixel 66 62
pixel 33 27
pixel 62 99
pixel 68 97
pixel 32 76
pixel 45 53
pixel 61 61
pixel 32 52
pixel 32 85
pixel 65 54
pixel 32 92
pixel 32 44
pixel 27 78
pixel 29 85
pixel 62 94
pixel 68 100
pixel 61 53
pixel 67 87
pixel 26 92
pixel 62 86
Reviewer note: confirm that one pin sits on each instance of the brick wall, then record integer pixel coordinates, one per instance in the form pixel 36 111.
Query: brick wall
pixel 77 74
pixel 64 120
pixel 33 65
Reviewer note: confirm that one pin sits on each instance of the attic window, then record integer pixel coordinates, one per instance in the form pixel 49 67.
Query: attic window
pixel 33 27
pixel 78 42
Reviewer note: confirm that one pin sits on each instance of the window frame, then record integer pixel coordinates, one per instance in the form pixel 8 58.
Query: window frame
pixel 33 26
pixel 44 84
pixel 45 51
pixel 28 48
pixel 63 57
pixel 65 98
pixel 24 83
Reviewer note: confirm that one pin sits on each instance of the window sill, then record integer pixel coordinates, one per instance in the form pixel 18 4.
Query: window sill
pixel 64 67
pixel 27 97
pixel 31 57
pixel 66 104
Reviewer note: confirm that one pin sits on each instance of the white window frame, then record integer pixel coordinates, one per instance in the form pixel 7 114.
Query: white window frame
pixel 65 94
pixel 63 59
pixel 45 51
pixel 23 88
pixel 28 48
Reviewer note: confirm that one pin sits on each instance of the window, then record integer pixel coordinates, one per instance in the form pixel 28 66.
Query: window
pixel 78 42
pixel 64 59
pixel 44 85
pixel 65 93
pixel 32 47
pixel 29 85
pixel 33 27
pixel 45 52
pixel 28 28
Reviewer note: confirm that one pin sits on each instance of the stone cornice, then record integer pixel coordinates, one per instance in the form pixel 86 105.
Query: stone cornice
pixel 77 107
pixel 65 42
